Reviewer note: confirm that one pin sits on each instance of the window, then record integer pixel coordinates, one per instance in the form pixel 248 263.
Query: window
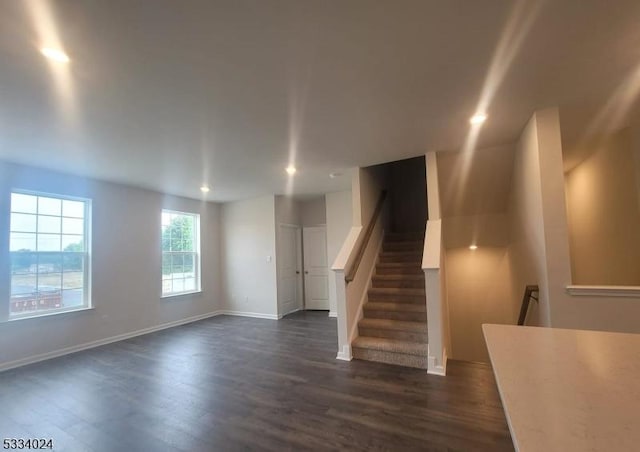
pixel 180 253
pixel 49 250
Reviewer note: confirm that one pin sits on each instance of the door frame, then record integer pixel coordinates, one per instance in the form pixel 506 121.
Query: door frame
pixel 299 267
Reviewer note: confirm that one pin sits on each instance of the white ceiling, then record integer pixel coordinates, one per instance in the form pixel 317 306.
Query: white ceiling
pixel 168 94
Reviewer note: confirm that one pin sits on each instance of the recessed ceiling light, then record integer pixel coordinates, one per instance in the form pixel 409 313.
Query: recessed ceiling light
pixel 55 54
pixel 205 189
pixel 334 175
pixel 473 247
pixel 291 170
pixel 478 118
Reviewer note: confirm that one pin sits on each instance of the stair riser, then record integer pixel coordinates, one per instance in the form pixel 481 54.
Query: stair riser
pixel 414 299
pixel 399 359
pixel 403 246
pixel 392 258
pixel 394 334
pixel 398 292
pixel 403 237
pixel 396 315
pixel 399 270
pixel 397 284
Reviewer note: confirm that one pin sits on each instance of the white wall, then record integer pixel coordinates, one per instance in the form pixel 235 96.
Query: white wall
pixel 481 230
pixel 479 290
pixel 604 213
pixel 367 184
pixel 248 247
pixel 609 313
pixel 528 249
pixel 313 212
pixel 476 182
pixel 475 193
pixel 544 248
pixel 339 222
pixel 126 262
pixel 479 281
pixel 287 210
pixel 554 211
pixel 357 290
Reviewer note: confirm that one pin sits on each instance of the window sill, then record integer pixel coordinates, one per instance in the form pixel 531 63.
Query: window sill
pixel 49 314
pixel 604 291
pixel 180 294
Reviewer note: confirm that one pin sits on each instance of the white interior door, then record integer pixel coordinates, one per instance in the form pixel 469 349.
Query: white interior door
pixel 316 272
pixel 289 279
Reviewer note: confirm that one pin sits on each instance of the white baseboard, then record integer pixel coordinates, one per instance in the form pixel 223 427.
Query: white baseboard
pixel 345 354
pixel 256 315
pixel 87 345
pixel 433 369
pixel 290 312
pixel 333 314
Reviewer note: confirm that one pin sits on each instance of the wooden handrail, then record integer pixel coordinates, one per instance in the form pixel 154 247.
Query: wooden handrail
pixel 528 295
pixel 351 273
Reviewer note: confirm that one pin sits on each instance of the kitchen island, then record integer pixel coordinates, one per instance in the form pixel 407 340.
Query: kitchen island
pixel 567 390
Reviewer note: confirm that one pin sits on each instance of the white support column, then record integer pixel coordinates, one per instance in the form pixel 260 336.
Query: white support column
pixel 344 348
pixel 432 265
pixel 433 188
pixel 339 265
pixel 436 301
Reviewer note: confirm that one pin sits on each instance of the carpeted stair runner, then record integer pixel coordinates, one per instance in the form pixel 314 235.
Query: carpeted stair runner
pixel 393 329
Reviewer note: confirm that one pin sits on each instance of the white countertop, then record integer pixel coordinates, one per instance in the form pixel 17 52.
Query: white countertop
pixel 567 390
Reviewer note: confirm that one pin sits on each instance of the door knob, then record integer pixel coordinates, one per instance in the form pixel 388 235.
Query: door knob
pixel 297 272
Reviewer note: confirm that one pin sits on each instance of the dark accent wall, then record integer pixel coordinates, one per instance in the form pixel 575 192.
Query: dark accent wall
pixel 408 194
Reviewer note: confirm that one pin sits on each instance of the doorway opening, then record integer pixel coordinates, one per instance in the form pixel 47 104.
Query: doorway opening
pixel 303 272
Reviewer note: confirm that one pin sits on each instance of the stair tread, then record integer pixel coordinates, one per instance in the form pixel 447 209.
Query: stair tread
pixel 395 277
pixel 394 328
pixel 390 306
pixel 413 242
pixel 397 291
pixel 401 252
pixel 403 246
pixel 400 325
pixel 391 345
pixel 404 236
pixel 399 264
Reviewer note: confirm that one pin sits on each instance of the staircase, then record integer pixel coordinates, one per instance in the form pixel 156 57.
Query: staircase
pixel 393 329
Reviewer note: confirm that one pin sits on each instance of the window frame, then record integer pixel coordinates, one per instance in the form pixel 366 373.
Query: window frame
pixel 196 253
pixel 87 303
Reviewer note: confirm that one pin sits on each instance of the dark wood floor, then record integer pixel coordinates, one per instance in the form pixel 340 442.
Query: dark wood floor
pixel 232 383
